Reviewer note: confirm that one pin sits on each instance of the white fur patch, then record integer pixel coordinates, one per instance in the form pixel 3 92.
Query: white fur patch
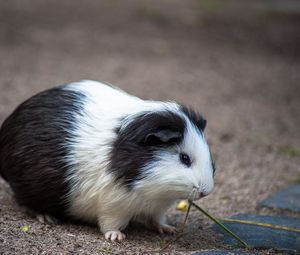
pixel 94 196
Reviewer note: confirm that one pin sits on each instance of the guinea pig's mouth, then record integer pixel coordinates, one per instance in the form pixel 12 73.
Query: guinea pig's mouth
pixel 196 194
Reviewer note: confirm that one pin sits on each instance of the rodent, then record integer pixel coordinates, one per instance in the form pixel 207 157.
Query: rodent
pixel 90 151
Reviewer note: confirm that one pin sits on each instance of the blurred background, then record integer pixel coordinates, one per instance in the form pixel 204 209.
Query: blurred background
pixel 237 62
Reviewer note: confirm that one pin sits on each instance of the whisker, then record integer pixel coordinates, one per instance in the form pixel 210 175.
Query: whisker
pixel 191 193
pixel 194 194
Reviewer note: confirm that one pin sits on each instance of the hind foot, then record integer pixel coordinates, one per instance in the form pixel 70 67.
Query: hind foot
pixel 45 218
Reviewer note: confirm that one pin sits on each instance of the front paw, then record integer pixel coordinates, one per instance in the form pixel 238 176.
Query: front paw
pixel 114 235
pixel 166 229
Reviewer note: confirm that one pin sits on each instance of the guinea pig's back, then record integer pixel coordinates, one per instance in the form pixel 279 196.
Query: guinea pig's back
pixel 55 147
pixel 34 149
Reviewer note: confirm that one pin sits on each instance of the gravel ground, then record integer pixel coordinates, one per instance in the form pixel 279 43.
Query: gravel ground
pixel 232 60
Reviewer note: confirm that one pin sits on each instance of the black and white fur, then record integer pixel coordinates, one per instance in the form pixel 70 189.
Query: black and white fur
pixel 91 152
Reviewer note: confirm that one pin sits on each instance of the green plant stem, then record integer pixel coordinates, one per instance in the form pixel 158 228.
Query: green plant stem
pixel 187 214
pixel 260 224
pixel 219 224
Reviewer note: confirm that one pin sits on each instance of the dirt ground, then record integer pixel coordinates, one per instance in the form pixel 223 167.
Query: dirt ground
pixel 237 62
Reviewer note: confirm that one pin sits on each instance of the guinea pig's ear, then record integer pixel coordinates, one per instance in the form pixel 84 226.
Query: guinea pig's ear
pixel 202 123
pixel 195 117
pixel 164 136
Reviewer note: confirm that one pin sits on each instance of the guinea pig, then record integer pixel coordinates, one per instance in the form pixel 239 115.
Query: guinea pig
pixel 91 152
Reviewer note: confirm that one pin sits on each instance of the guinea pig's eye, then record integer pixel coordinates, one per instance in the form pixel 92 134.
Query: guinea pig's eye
pixel 185 159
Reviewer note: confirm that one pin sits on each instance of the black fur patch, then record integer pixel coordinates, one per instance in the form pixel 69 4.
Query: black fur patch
pixel 33 149
pixel 195 117
pixel 131 152
pixel 199 122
